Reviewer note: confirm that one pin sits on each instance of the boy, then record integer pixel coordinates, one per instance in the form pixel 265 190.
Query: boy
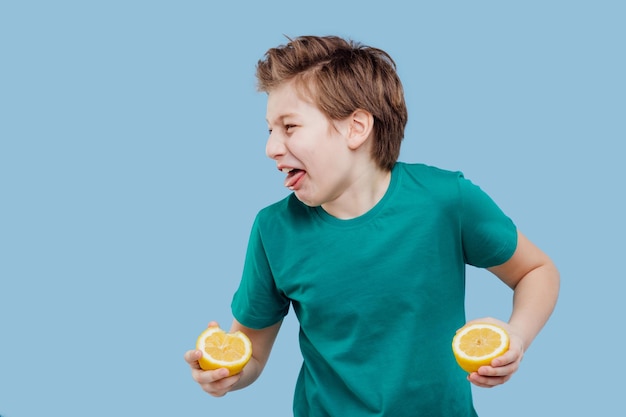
pixel 370 252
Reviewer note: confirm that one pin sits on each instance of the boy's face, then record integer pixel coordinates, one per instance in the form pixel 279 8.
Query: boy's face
pixel 307 147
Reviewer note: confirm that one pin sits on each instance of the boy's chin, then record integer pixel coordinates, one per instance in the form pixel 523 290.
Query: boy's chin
pixel 304 200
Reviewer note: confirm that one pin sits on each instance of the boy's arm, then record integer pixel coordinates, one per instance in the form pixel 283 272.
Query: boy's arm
pixel 535 282
pixel 262 342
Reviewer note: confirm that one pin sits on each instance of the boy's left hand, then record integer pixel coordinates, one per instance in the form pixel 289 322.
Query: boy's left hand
pixel 502 367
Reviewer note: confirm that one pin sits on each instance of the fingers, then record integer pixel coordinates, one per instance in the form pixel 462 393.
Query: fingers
pixel 512 358
pixel 500 371
pixel 487 381
pixel 221 386
pixel 509 357
pixel 216 383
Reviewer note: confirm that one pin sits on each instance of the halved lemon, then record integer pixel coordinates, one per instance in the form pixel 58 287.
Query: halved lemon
pixel 477 344
pixel 223 350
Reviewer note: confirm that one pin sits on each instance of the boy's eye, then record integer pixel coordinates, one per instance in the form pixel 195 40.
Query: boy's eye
pixel 289 127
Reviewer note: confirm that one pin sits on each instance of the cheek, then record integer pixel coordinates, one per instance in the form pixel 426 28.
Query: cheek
pixel 318 151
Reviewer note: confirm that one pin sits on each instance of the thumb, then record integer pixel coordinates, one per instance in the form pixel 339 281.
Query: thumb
pixel 192 357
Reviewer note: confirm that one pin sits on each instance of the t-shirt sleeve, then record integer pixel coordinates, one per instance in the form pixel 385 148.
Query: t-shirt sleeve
pixel 257 303
pixel 489 236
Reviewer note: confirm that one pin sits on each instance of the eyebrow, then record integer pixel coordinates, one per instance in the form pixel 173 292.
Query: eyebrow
pixel 282 117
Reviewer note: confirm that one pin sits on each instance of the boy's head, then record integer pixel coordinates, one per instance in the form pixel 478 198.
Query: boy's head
pixel 341 76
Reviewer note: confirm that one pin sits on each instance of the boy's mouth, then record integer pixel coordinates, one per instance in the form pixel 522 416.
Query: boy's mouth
pixel 294 175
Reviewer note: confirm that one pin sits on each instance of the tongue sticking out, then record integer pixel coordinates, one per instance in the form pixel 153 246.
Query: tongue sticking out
pixel 293 177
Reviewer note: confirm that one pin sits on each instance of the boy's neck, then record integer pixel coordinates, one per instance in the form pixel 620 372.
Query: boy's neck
pixel 363 194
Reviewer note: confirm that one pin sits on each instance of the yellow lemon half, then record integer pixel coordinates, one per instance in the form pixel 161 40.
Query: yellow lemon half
pixel 223 350
pixel 478 344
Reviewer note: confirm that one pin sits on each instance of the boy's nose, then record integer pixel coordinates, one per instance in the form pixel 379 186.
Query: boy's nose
pixel 275 147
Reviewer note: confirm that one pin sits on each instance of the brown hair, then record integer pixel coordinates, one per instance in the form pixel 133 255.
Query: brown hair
pixel 341 76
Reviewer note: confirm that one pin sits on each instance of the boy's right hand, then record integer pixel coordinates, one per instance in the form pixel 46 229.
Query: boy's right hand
pixel 217 382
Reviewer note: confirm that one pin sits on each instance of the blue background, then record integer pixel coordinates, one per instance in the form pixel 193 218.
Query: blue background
pixel 132 165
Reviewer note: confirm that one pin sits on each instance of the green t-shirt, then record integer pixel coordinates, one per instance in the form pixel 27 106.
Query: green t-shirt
pixel 378 297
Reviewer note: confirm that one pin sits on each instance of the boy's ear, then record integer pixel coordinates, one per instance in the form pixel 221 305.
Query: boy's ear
pixel 361 126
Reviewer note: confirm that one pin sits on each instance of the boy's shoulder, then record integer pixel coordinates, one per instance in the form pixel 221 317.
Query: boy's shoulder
pixel 426 172
pixel 429 183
